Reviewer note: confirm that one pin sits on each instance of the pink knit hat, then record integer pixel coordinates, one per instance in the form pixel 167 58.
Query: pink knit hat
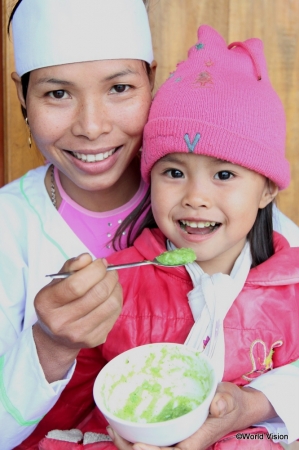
pixel 220 103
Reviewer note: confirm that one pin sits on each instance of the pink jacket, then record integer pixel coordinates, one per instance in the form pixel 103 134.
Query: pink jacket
pixel 261 328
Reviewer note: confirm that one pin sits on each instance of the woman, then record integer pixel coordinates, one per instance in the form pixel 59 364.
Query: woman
pixel 84 76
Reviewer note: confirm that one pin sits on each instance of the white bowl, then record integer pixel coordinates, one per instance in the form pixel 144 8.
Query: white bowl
pixel 156 382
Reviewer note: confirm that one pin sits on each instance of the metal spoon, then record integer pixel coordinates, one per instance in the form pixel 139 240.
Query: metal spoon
pixel 155 262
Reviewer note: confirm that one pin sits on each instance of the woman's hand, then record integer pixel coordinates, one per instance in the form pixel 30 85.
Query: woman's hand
pixel 232 409
pixel 74 313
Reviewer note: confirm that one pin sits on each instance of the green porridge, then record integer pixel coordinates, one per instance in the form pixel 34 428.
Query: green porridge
pixel 159 387
pixel 178 256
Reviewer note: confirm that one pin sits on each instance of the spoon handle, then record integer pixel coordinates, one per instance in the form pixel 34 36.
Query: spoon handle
pixel 127 265
pixel 56 276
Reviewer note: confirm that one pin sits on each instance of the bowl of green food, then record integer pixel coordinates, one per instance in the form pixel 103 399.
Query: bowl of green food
pixel 158 394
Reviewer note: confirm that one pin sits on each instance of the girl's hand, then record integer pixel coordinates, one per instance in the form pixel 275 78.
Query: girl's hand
pixel 76 312
pixel 232 409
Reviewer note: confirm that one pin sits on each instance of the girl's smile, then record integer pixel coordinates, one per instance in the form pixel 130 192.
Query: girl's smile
pixel 88 119
pixel 208 205
pixel 199 227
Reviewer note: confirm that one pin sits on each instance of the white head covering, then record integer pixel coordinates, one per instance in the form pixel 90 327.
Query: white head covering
pixel 52 32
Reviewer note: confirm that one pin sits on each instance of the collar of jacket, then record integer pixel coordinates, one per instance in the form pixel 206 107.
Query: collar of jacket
pixel 281 269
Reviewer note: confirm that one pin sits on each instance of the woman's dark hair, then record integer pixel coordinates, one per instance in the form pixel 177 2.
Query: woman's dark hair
pixel 25 77
pixel 12 14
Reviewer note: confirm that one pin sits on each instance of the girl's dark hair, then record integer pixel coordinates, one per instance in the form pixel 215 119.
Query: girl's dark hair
pixel 130 223
pixel 260 237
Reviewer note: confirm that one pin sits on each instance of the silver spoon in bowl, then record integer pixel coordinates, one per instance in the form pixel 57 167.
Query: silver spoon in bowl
pixel 156 262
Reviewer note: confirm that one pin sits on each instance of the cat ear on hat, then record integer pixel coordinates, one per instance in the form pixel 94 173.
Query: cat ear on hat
pixel 255 49
pixel 207 35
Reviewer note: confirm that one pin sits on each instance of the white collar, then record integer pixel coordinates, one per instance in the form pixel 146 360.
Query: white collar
pixel 210 300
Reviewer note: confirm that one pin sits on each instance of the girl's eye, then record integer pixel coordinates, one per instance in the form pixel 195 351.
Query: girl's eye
pixel 223 175
pixel 174 173
pixel 58 95
pixel 120 88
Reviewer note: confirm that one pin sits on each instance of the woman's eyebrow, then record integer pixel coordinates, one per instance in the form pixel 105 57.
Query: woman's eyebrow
pixel 120 74
pixel 54 81
pixel 69 83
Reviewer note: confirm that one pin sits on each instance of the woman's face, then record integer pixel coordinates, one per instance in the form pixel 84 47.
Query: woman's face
pixel 88 118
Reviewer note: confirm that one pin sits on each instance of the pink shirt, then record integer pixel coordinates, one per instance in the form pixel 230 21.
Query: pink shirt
pixel 96 229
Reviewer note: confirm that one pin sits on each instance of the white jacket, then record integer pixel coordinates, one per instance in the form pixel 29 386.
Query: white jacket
pixel 36 241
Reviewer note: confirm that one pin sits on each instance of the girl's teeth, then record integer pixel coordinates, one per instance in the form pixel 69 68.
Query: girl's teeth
pixel 198 224
pixel 93 158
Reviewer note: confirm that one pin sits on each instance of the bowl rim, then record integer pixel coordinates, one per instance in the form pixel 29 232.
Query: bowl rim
pixel 129 423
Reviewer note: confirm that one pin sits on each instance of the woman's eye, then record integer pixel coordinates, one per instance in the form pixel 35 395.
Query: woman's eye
pixel 174 173
pixel 120 88
pixel 223 175
pixel 58 95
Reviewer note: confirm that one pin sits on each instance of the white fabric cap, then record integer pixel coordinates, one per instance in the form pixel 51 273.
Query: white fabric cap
pixel 52 32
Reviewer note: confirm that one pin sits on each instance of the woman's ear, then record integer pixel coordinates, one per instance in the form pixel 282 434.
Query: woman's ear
pixel 17 80
pixel 152 75
pixel 269 193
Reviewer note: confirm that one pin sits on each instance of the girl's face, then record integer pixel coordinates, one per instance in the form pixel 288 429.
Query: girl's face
pixel 208 205
pixel 88 118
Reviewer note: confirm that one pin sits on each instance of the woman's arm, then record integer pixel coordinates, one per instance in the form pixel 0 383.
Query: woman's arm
pixel 77 312
pixel 36 366
pixel 281 387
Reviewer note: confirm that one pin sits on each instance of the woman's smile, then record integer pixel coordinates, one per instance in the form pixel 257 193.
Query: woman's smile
pixel 91 157
pixel 94 163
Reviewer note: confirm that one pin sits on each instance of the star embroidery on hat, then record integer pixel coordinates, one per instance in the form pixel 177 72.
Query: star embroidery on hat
pixel 199 46
pixel 204 78
pixel 209 63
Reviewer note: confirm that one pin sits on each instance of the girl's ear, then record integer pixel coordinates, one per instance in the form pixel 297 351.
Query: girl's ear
pixel 15 77
pixel 152 75
pixel 269 193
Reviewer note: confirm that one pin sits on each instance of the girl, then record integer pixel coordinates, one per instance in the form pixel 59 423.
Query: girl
pixel 84 77
pixel 214 150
